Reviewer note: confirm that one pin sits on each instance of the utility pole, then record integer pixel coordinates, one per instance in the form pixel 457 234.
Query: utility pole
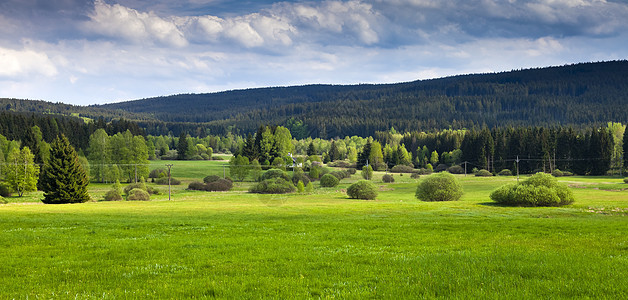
pixel 517 168
pixel 169 191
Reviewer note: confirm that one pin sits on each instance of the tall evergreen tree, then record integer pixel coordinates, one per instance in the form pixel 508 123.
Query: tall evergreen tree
pixel 311 149
pixel 182 147
pixel 334 154
pixel 63 179
pixel 625 156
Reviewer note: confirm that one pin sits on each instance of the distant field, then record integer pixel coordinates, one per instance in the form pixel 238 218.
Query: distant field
pixel 323 245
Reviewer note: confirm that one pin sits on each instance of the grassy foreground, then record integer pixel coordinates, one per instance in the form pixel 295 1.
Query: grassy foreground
pixel 239 245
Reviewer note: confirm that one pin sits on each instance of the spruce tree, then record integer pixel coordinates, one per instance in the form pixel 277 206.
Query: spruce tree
pixel 182 147
pixel 625 156
pixel 63 179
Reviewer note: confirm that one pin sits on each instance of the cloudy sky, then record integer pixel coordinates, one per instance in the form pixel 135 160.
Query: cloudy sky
pixel 99 51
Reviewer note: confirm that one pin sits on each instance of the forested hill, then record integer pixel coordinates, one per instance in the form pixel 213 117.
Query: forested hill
pixel 580 94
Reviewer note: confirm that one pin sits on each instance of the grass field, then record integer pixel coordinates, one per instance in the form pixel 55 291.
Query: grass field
pixel 323 245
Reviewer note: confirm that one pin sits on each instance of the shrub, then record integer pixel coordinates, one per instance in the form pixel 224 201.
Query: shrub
pixel 439 187
pixel 5 191
pixel 429 168
pixel 138 195
pixel 415 175
pixel 113 195
pixel 351 171
pixel 557 173
pixel 567 173
pixel 483 173
pixel 440 168
pixel 275 173
pixel 504 172
pixel 220 185
pixel 539 190
pixel 164 181
pixel 140 185
pixel 367 172
pixel 388 178
pixel 423 171
pixel 273 186
pixel 3 201
pixel 341 174
pixel 362 189
pixel 341 164
pixel 455 169
pixel 197 186
pixel 329 180
pixel 314 172
pixel 299 175
pixel 309 188
pixel 402 169
pixel 626 180
pixel 300 186
pixel 156 173
pixel 211 178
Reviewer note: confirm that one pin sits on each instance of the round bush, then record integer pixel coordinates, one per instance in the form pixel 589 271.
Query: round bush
pixel 300 176
pixel 483 173
pixel 415 175
pixel 273 186
pixel 439 187
pixel 156 173
pixel 504 172
pixel 113 195
pixel 329 180
pixel 557 173
pixel 3 201
pixel 440 168
pixel 211 178
pixel 455 169
pixel 388 178
pixel 138 195
pixel 140 185
pixel 220 185
pixel 341 174
pixel 362 189
pixel 164 181
pixel 626 180
pixel 275 173
pixel 5 191
pixel 402 169
pixel 539 190
pixel 196 186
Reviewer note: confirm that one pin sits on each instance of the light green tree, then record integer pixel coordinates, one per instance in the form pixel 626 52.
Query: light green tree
pixel 98 154
pixel 21 172
pixel 434 158
pixel 239 167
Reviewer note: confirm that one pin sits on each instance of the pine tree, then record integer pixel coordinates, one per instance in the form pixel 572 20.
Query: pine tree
pixel 182 147
pixel 625 140
pixel 63 179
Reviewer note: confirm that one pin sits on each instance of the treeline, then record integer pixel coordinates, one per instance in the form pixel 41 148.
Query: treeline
pixel 19 127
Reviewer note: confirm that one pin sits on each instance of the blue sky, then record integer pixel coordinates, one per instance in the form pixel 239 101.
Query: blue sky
pixel 87 52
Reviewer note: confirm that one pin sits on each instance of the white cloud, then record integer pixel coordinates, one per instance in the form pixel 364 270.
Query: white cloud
pixel 20 63
pixel 119 21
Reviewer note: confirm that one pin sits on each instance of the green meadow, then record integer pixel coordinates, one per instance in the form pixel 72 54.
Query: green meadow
pixel 320 245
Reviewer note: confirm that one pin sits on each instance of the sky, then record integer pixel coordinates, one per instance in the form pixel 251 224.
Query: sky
pixel 101 51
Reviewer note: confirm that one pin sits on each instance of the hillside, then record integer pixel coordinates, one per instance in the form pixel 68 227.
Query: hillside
pixel 575 95
pixel 580 94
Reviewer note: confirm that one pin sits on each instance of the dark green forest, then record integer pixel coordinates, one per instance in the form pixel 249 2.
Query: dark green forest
pixel 579 95
pixel 588 94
